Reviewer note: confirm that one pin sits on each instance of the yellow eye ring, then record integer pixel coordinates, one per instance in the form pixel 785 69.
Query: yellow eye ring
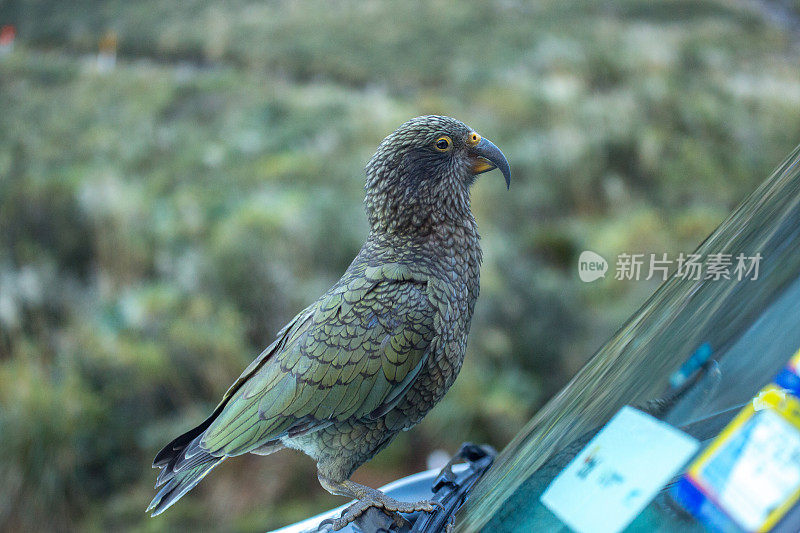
pixel 443 143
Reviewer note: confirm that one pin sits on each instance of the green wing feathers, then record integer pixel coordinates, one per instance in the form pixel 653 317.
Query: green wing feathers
pixel 350 355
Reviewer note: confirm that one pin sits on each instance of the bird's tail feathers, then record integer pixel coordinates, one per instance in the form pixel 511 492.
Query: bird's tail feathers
pixel 183 465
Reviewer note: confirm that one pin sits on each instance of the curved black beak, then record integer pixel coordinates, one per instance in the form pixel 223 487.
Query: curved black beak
pixel 489 157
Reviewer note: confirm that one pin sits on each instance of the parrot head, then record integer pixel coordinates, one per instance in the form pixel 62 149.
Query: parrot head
pixel 421 173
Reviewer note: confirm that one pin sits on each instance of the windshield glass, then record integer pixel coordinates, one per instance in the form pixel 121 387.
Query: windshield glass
pixel 751 327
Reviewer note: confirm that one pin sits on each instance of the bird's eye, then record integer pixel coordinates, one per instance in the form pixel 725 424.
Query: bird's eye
pixel 443 143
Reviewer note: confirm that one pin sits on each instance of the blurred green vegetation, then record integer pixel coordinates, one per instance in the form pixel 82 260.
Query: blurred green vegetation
pixel 161 220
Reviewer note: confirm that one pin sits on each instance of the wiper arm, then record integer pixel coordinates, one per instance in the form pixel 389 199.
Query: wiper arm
pixel 451 490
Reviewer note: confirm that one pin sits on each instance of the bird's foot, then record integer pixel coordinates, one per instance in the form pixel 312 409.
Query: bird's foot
pixel 379 500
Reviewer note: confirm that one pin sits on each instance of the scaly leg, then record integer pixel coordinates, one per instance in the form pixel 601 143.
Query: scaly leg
pixel 368 497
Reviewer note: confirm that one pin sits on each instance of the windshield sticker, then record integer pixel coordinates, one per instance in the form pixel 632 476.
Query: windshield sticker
pixel 618 472
pixel 749 476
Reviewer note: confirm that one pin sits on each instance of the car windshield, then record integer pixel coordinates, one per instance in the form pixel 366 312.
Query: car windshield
pixel 750 326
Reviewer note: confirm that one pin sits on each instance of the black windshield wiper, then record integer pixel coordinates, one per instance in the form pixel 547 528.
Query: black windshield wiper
pixel 450 489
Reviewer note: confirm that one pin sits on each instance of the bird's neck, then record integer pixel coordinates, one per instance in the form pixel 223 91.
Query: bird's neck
pixel 435 229
pixel 397 205
pixel 451 245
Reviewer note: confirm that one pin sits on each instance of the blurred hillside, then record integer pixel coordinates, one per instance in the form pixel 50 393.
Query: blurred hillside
pixel 161 220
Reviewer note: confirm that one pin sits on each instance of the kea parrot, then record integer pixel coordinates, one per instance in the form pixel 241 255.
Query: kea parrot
pixel 381 347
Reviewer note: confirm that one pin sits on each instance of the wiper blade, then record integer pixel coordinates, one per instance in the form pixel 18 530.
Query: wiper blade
pixel 452 490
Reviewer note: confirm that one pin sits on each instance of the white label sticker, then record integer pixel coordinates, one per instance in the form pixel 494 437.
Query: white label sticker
pixel 618 472
pixel 758 469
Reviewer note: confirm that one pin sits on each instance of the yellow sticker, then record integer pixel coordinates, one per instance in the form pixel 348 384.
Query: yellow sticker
pixel 752 469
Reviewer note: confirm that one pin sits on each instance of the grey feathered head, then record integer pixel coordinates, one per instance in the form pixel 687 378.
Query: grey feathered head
pixel 420 175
